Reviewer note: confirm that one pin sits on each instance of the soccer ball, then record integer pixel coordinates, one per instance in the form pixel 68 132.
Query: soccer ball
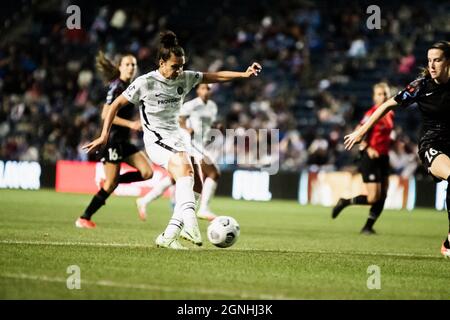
pixel 223 231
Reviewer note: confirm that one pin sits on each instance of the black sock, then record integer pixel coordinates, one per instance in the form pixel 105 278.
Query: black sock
pixel 359 200
pixel 374 214
pixel 345 202
pixel 130 177
pixel 97 201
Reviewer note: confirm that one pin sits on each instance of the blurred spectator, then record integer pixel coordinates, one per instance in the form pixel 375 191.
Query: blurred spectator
pixel 319 63
pixel 293 155
pixel 406 63
pixel 318 152
pixel 403 159
pixel 358 48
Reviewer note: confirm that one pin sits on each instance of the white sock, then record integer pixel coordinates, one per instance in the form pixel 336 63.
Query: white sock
pixel 175 225
pixel 185 201
pixel 157 191
pixel 172 195
pixel 209 189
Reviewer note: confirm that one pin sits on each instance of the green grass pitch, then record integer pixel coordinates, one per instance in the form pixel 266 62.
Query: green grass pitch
pixel 285 251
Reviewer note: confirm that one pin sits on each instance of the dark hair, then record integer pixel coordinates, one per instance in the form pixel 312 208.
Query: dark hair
pixel 441 45
pixel 169 44
pixel 107 68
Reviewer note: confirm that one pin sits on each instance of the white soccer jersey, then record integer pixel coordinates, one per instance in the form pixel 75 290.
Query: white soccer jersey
pixel 201 116
pixel 159 100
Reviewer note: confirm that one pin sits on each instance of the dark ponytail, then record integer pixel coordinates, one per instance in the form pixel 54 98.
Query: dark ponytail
pixel 169 44
pixel 441 45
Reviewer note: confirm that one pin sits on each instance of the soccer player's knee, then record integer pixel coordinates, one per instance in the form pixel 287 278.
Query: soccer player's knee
pixel 180 159
pixel 215 174
pixel 110 186
pixel 186 171
pixel 147 174
pixel 372 198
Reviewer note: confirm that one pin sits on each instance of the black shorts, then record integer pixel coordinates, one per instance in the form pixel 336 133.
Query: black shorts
pixel 429 151
pixel 117 152
pixel 374 170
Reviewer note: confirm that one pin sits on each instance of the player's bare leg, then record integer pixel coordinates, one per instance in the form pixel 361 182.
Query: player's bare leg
pixel 440 168
pixel 154 194
pixel 108 186
pixel 182 171
pixel 211 178
pixel 198 186
pixel 376 196
pixel 141 162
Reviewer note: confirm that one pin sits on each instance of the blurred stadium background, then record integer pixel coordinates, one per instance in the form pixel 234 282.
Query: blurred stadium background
pixel 320 62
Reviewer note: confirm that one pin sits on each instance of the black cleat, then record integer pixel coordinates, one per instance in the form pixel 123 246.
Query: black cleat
pixel 342 203
pixel 368 232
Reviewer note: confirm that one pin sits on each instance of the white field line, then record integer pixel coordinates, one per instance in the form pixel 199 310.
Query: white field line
pixel 128 245
pixel 75 243
pixel 148 287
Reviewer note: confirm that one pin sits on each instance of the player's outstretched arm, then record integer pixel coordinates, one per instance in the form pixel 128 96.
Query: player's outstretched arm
pixel 357 136
pixel 122 122
pixel 223 76
pixel 118 103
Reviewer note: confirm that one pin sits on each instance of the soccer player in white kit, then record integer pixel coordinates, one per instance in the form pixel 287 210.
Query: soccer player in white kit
pixel 196 118
pixel 160 94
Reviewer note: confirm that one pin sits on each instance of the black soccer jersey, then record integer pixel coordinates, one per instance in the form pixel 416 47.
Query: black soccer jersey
pixel 434 103
pixel 119 133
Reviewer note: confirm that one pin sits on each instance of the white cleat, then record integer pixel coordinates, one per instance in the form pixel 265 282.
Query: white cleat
pixel 162 242
pixel 192 235
pixel 142 209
